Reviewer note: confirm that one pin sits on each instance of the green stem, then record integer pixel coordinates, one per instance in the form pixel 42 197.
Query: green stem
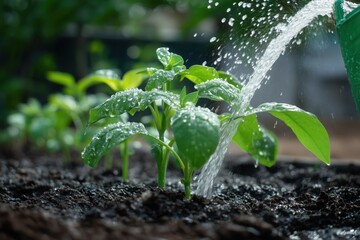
pixel 125 159
pixel 187 180
pixel 177 157
pixel 161 122
pixel 162 173
pixel 162 166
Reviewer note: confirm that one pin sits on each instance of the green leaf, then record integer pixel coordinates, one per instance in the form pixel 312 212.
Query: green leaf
pixel 219 90
pixel 110 136
pixel 182 96
pixel 150 71
pixel 132 79
pixel 65 79
pixel 196 132
pixel 164 56
pixel 306 126
pixel 230 79
pixel 185 98
pixel 178 70
pixel 198 74
pixel 131 100
pixel 17 121
pixel 258 142
pixel 159 78
pixel 176 60
pixel 168 59
pixel 267 147
pixel 64 102
pixel 32 108
pixel 109 77
pixel 39 127
pixel 224 117
pixel 192 97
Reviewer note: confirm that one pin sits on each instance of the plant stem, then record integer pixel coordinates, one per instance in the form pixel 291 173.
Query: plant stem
pixel 187 180
pixel 161 126
pixel 162 173
pixel 187 191
pixel 125 159
pixel 177 157
pixel 162 168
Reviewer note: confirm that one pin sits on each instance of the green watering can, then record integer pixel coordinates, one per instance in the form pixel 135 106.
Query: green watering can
pixel 348 29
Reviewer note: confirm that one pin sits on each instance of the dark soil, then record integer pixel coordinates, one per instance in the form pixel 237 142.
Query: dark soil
pixel 41 199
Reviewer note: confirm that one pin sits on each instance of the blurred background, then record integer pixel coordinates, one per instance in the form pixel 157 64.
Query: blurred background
pixel 79 37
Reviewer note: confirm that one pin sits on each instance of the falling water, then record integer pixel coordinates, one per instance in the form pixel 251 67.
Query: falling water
pixel 276 47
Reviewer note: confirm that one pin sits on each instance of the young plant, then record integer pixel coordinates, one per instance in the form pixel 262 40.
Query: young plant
pixel 59 124
pixel 35 127
pixel 191 133
pixel 79 102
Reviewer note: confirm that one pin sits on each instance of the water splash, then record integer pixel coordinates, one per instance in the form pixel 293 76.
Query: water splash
pixel 349 7
pixel 277 46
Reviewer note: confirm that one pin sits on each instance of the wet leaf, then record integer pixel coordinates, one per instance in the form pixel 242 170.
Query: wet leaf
pixel 132 79
pixel 258 142
pixel 191 98
pixel 150 70
pixel 159 78
pixel 131 100
pixel 107 76
pixel 168 59
pixel 111 78
pixel 188 98
pixel 196 133
pixel 306 126
pixel 182 96
pixel 178 70
pixel 164 56
pixel 230 79
pixel 199 74
pixel 176 61
pixel 107 138
pixel 219 90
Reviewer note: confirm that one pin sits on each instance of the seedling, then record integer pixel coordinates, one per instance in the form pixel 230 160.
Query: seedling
pixel 59 124
pixel 191 133
pixel 79 102
pixel 175 116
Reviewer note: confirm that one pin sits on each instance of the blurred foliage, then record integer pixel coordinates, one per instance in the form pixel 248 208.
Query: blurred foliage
pixel 29 29
pixel 59 125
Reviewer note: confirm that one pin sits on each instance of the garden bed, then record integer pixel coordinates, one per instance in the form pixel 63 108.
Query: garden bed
pixel 41 199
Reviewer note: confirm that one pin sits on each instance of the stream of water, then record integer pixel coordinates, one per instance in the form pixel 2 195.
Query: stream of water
pixel 276 47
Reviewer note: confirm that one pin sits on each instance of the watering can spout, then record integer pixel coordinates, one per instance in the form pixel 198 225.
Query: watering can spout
pixel 348 30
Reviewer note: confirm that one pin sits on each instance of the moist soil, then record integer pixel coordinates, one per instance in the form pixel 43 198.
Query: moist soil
pixel 40 198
